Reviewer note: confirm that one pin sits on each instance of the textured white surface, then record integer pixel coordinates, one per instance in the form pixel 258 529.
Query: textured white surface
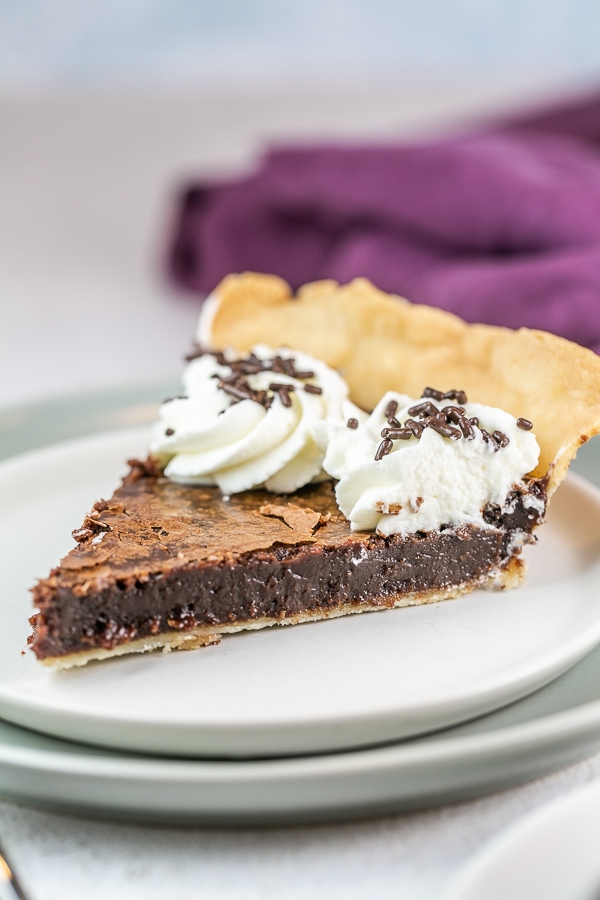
pixel 85 190
pixel 409 856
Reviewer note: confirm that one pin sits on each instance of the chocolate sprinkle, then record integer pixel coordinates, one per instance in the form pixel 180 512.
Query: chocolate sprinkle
pixel 500 438
pixel 169 431
pixel 313 389
pixel 456 415
pixel 416 427
pixel 285 398
pixel 283 390
pixel 468 432
pixel 431 392
pixel 391 409
pixel 281 366
pixel 443 428
pixel 486 436
pixel 397 434
pixel 229 379
pixel 241 390
pixel 525 424
pixel 383 449
pixel 459 396
pixel 424 409
pixel 352 423
pixel 453 394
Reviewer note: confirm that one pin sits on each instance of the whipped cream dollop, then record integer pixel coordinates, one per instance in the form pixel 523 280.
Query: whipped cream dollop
pixel 409 467
pixel 247 422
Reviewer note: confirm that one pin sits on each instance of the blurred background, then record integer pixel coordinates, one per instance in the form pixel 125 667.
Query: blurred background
pixel 49 43
pixel 106 108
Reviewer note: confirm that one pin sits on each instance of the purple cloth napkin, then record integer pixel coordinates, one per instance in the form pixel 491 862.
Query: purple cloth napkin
pixel 501 225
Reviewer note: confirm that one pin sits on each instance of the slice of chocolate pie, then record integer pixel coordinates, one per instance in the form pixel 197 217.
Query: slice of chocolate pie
pixel 270 498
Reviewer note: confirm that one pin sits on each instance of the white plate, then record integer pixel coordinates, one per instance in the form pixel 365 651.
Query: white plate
pixel 342 683
pixel 549 729
pixel 552 853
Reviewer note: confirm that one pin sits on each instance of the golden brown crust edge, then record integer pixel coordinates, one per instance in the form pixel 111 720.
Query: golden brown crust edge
pixel 380 342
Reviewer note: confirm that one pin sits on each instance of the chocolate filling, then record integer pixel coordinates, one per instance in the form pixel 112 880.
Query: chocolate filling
pixel 161 557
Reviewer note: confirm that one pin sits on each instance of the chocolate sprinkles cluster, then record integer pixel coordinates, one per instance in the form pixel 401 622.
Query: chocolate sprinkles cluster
pixel 450 422
pixel 236 383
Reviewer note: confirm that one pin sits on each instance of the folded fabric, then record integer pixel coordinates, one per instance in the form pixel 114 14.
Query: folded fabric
pixel 500 225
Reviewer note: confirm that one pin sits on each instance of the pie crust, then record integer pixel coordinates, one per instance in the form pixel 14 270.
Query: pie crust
pixel 165 565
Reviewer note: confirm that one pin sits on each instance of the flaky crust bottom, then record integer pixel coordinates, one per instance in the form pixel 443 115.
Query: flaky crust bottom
pixel 510 576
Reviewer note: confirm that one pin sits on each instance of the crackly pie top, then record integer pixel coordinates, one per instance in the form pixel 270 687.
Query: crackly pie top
pixel 382 343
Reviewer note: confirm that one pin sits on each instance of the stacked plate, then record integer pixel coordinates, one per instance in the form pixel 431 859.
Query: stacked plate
pixel 351 716
pixel 550 853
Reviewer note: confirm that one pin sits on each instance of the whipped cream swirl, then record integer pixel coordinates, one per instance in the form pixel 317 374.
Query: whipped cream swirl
pixel 248 422
pixel 396 478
